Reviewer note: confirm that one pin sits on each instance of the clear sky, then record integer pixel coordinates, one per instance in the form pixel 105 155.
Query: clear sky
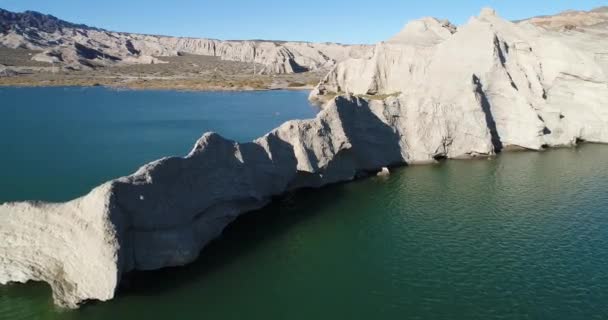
pixel 346 21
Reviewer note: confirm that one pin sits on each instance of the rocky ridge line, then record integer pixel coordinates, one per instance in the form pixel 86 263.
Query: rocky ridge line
pixel 432 92
pixel 78 46
pixel 536 88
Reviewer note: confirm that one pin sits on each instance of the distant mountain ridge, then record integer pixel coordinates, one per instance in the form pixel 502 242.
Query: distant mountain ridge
pixel 49 23
pixel 35 20
pixel 78 46
pixel 573 19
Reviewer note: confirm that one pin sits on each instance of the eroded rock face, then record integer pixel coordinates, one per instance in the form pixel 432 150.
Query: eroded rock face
pixel 446 93
pixel 166 212
pixel 536 87
pixel 79 46
pixel 72 246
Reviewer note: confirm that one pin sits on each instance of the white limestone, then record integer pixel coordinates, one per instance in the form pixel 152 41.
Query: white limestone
pixel 536 87
pixel 437 92
pixel 385 172
pixel 167 211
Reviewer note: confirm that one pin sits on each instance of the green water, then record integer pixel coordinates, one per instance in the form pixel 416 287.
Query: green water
pixel 69 140
pixel 523 236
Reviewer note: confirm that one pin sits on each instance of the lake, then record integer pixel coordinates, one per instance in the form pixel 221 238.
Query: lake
pixel 58 143
pixel 520 236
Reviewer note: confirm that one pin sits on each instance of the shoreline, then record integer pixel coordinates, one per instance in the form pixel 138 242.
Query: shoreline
pixel 132 230
pixel 365 174
pixel 199 87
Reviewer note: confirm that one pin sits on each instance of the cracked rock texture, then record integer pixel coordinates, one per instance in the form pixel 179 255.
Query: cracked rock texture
pixel 433 91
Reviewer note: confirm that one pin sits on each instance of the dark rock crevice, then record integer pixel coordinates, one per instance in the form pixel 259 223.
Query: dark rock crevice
pixel 487 110
pixel 91 54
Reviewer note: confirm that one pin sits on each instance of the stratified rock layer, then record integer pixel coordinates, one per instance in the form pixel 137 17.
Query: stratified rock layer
pixel 586 21
pixel 80 46
pixel 446 93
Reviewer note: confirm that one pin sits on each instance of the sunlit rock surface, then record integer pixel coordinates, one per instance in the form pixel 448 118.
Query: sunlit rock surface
pixel 432 92
pixel 535 87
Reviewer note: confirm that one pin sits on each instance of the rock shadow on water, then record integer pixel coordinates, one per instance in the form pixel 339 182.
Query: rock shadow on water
pixel 243 236
pixel 373 146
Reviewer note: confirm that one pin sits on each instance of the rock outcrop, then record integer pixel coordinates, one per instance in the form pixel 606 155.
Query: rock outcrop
pixel 80 46
pixel 167 211
pixel 596 19
pixel 535 87
pixel 6 72
pixel 432 92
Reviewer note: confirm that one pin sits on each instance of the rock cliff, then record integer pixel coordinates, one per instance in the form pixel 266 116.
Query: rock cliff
pixel 80 46
pixel 433 91
pixel 535 87
pixel 167 211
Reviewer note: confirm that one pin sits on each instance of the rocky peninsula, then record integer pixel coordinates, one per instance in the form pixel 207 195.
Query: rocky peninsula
pixel 434 91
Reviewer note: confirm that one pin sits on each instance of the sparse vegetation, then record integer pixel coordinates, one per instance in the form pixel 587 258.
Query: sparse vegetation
pixel 185 72
pixel 20 57
pixel 296 84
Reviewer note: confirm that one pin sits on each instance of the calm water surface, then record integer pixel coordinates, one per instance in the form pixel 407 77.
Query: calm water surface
pixel 523 236
pixel 58 143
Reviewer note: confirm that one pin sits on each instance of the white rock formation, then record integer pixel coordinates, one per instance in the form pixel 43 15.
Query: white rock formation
pixel 535 87
pixel 384 172
pixel 446 93
pixel 167 211
pixel 78 46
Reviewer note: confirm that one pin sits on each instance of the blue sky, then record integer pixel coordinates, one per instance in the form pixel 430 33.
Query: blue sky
pixel 346 21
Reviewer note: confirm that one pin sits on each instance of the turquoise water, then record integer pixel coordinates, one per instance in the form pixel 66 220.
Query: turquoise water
pixel 58 143
pixel 522 236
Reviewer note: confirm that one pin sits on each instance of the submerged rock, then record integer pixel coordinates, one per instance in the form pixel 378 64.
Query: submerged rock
pixel 445 93
pixel 385 172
